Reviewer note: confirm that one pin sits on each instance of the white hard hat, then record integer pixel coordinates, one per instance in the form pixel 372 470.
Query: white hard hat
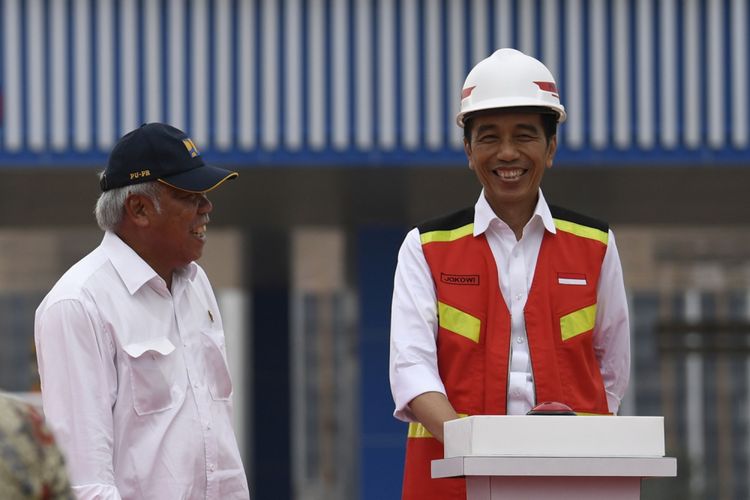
pixel 508 79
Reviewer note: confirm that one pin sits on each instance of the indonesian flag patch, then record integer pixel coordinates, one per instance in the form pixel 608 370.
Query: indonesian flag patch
pixel 572 279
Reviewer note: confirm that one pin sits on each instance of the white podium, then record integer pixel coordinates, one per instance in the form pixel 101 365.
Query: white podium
pixel 554 457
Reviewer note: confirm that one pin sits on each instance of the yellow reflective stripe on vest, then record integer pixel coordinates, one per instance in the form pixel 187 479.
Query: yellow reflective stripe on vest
pixel 450 235
pixel 584 414
pixel 577 322
pixel 582 231
pixel 459 322
pixel 417 430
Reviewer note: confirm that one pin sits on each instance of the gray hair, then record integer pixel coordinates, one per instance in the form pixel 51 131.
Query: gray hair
pixel 111 204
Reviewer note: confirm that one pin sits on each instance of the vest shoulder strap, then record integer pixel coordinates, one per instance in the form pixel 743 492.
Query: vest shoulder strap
pixel 453 220
pixel 576 218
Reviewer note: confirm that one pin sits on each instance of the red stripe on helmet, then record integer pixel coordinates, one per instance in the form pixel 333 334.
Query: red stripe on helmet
pixel 467 92
pixel 547 86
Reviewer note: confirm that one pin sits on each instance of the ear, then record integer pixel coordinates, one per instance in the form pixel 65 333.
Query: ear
pixel 551 150
pixel 138 209
pixel 467 150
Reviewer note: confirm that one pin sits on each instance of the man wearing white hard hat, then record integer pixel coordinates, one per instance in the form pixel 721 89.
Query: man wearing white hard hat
pixel 511 302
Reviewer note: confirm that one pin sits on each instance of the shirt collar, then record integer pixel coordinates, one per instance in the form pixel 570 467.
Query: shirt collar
pixel 133 270
pixel 484 215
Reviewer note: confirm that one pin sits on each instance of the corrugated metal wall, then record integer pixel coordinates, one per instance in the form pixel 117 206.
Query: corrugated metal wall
pixel 260 82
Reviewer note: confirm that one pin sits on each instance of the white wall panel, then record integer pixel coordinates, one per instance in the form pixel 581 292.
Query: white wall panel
pixel 433 76
pixel 153 54
pixel 129 96
pixel 59 105
pixel 177 77
pixel 668 76
pixel 573 132
pixel 198 72
pixel 223 111
pixel 35 75
pixel 410 94
pixel 357 81
pixel 644 90
pixel 293 67
pixel 82 76
pixel 621 75
pixel 340 75
pixel 456 69
pixel 386 74
pixel 692 74
pixel 317 60
pixel 598 82
pixel 247 27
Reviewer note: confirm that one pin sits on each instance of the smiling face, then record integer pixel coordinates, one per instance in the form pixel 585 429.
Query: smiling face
pixel 178 231
pixel 509 153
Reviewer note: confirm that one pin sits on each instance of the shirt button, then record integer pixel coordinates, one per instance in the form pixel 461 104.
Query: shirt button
pixel 211 467
pixel 519 340
pixel 519 296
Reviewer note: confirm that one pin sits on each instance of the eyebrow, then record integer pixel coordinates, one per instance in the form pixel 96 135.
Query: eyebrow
pixel 484 128
pixel 527 127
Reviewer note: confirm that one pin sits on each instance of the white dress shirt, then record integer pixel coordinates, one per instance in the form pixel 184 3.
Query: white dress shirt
pixel 135 383
pixel 414 322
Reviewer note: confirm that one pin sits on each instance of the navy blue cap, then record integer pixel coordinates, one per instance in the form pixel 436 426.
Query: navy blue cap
pixel 157 151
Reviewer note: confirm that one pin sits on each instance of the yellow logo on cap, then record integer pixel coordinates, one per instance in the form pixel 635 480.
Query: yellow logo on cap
pixel 190 146
pixel 139 175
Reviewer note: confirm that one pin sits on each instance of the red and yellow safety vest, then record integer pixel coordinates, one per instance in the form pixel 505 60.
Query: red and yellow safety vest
pixel 473 341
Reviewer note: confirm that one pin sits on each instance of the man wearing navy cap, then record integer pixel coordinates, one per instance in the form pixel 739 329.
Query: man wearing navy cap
pixel 130 343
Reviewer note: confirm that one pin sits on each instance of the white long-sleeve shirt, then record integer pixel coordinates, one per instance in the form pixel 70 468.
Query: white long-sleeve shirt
pixel 135 383
pixel 414 321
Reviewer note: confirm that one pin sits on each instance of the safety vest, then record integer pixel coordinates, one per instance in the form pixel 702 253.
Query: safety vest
pixel 473 341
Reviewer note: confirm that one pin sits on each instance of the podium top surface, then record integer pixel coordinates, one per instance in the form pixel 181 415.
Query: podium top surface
pixel 555 466
pixel 555 436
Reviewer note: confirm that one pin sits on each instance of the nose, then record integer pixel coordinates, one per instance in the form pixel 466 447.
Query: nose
pixel 204 205
pixel 507 150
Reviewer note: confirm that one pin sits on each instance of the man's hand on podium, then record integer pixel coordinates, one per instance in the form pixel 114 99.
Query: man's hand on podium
pixel 432 409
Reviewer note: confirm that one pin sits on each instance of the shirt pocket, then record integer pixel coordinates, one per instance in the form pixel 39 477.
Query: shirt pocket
pixel 151 372
pixel 217 376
